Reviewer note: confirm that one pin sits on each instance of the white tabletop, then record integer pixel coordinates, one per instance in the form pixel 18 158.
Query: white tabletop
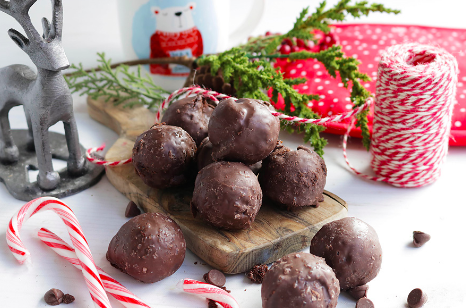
pixel 438 209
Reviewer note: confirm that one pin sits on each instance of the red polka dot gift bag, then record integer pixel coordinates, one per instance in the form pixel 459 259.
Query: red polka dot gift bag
pixel 367 42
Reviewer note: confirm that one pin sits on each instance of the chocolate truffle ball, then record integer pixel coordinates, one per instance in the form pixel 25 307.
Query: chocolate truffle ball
pixel 227 195
pixel 300 280
pixel 293 178
pixel 351 247
pixel 191 114
pixel 149 247
pixel 243 131
pixel 164 156
pixel 204 157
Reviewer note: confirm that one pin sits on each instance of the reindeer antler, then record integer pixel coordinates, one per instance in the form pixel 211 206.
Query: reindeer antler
pixel 4 6
pixel 19 10
pixel 57 18
pixel 54 30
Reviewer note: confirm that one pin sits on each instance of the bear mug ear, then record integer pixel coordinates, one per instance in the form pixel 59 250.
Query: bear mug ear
pixel 155 10
pixel 191 5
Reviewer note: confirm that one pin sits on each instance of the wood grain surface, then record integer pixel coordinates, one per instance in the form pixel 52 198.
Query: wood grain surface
pixel 274 233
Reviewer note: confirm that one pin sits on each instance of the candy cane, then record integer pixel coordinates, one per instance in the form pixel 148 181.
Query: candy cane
pixel 88 267
pixel 113 287
pixel 209 291
pixel 215 96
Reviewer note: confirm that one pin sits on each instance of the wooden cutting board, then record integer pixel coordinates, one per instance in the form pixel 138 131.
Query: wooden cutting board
pixel 274 233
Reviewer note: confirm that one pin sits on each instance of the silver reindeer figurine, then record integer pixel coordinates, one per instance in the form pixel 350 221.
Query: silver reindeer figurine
pixel 45 97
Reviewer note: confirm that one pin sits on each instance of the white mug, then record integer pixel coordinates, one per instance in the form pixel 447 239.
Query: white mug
pixel 168 28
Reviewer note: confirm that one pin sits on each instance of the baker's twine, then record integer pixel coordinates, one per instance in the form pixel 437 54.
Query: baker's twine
pixel 216 97
pixel 415 95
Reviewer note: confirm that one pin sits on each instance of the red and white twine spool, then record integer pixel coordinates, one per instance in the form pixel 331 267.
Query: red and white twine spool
pixel 415 95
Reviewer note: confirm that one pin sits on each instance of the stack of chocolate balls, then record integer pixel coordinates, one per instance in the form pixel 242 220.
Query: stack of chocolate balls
pixel 228 144
pixel 345 255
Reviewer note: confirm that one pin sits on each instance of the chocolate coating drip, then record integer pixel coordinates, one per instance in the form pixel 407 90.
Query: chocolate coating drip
pixel 351 247
pixel 191 114
pixel 243 131
pixel 293 178
pixel 227 195
pixel 300 280
pixel 149 247
pixel 164 156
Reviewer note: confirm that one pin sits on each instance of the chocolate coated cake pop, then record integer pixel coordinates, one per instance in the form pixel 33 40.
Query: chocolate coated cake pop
pixel 227 195
pixel 164 156
pixel 149 247
pixel 300 280
pixel 243 131
pixel 351 247
pixel 293 178
pixel 191 114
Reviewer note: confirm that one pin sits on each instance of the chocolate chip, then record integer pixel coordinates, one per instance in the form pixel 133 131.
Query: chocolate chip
pixel 215 277
pixel 359 291
pixel 257 273
pixel 212 304
pixel 68 299
pixel 416 298
pixel 53 297
pixel 364 303
pixel 132 210
pixel 420 238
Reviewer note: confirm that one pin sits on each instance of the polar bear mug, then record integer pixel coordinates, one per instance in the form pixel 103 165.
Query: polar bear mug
pixel 169 28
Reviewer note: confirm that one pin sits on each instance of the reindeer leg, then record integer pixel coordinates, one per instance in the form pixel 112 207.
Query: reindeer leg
pixel 8 151
pixel 30 140
pixel 76 160
pixel 47 178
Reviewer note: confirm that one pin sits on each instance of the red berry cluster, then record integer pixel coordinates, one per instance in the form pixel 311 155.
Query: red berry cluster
pixel 296 44
pixel 328 41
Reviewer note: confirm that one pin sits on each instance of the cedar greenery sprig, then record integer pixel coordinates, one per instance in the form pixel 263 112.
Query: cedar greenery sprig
pixel 118 85
pixel 251 77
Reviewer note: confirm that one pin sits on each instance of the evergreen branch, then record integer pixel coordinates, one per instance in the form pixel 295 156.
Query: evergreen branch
pixel 116 84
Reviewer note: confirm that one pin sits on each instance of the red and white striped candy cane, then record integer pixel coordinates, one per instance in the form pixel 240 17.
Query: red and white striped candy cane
pixel 88 267
pixel 216 97
pixel 222 297
pixel 113 287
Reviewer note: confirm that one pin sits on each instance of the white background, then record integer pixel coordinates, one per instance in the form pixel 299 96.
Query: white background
pixel 438 267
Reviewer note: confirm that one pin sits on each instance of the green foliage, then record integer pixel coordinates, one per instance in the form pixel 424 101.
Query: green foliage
pixel 118 85
pixel 250 78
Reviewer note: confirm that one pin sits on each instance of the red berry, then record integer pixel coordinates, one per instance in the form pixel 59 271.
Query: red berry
pixel 285 49
pixel 287 41
pixel 294 49
pixel 268 33
pixel 300 43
